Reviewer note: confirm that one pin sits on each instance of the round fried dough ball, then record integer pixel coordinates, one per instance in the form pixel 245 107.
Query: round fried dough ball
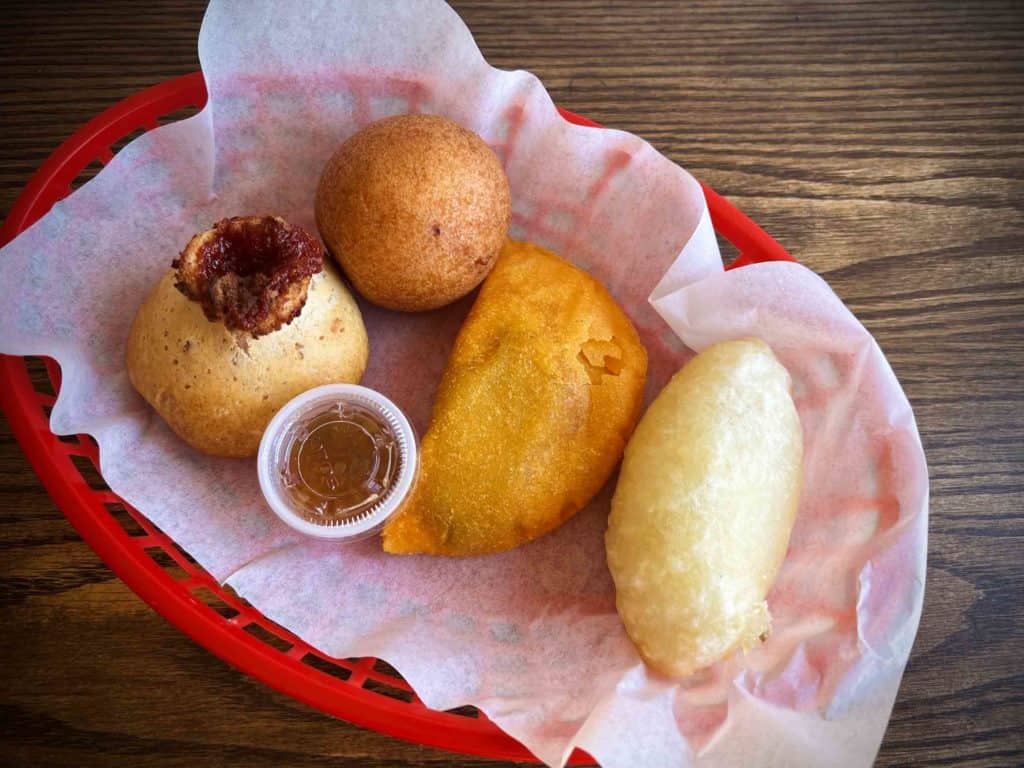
pixel 415 209
pixel 248 317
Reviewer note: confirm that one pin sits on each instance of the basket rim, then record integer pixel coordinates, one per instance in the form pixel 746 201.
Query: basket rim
pixel 129 556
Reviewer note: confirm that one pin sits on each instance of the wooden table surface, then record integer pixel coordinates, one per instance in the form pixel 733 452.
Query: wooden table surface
pixel 881 143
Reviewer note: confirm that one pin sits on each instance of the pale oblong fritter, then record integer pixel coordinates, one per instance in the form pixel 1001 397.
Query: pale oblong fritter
pixel 704 506
pixel 540 395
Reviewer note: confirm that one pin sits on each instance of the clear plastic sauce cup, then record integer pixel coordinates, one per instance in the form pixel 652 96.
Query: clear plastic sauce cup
pixel 337 461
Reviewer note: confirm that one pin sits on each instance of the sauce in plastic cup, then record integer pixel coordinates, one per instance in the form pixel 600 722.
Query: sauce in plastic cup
pixel 337 461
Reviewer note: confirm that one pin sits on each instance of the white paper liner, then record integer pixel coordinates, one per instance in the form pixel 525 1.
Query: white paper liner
pixel 530 636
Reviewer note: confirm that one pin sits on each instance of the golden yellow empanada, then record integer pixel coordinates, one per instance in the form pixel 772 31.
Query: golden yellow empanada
pixel 541 393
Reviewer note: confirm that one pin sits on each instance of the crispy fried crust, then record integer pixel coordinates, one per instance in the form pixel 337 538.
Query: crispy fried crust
pixel 541 392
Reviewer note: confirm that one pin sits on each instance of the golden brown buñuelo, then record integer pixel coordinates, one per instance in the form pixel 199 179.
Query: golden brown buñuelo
pixel 415 209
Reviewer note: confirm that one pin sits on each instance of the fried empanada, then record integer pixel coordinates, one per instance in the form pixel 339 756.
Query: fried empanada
pixel 541 392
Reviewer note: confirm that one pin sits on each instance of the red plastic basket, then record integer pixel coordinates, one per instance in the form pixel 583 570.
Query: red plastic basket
pixel 364 691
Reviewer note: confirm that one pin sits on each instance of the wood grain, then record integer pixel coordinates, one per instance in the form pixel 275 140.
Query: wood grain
pixel 879 141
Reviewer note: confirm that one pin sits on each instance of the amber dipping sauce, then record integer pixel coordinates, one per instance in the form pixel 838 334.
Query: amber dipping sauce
pixel 341 461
